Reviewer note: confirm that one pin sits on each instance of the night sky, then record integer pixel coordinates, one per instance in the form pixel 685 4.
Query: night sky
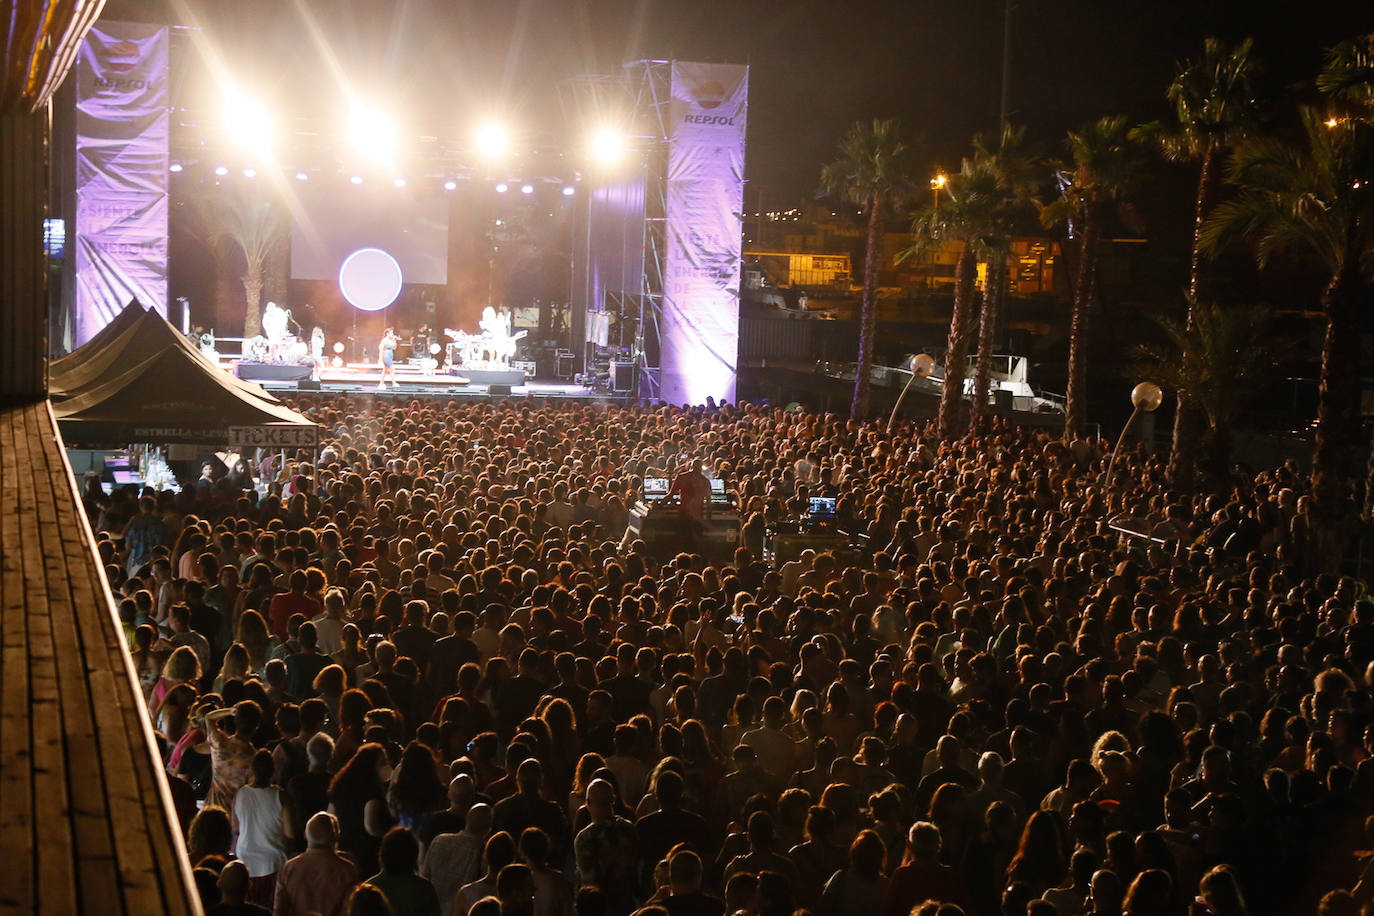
pixel 817 64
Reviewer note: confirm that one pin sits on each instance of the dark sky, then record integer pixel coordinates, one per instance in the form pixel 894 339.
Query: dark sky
pixel 817 65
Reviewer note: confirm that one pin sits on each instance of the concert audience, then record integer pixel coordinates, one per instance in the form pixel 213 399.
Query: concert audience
pixel 1020 688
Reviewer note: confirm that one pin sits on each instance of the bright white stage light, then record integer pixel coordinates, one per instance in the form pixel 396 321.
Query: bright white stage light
pixel 175 167
pixel 569 190
pixel 372 133
pixel 221 170
pixel 501 188
pixel 339 347
pixel 301 176
pixel 607 145
pixel 491 140
pixel 527 189
pixel 450 185
pixel 247 124
pixel 250 173
pixel 399 182
pixel 435 349
pixel 356 179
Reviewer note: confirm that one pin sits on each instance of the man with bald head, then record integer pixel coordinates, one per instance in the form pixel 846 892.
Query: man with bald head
pixel 455 859
pixel 319 879
pixel 607 851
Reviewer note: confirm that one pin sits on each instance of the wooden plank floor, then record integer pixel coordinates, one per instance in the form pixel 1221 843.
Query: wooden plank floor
pixel 85 817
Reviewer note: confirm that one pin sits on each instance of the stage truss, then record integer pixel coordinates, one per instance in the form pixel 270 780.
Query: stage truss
pixel 640 94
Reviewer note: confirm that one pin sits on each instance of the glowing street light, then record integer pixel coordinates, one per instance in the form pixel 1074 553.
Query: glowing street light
pixel 937 184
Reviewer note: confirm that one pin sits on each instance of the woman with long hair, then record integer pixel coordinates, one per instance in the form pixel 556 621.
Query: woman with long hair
pixel 561 720
pixel 330 685
pixel 253 635
pixel 147 663
pixel 1039 861
pixel 350 726
pixel 582 777
pixel 357 797
pixel 861 886
pixel 235 666
pixel 181 667
pixel 416 791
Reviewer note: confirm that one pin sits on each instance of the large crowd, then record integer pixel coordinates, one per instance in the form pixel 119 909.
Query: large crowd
pixel 423 673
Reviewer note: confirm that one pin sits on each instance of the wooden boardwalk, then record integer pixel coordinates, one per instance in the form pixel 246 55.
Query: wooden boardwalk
pixel 85 816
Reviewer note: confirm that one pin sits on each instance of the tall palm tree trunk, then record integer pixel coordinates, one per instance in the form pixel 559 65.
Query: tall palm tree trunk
pixel 956 351
pixel 868 314
pixel 1338 414
pixel 1075 408
pixel 252 291
pixel 1189 422
pixel 994 295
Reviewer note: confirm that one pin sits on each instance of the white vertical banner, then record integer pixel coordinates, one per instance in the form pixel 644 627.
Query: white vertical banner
pixel 122 132
pixel 699 333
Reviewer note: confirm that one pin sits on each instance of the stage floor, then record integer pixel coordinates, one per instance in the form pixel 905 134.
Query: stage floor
pixel 362 379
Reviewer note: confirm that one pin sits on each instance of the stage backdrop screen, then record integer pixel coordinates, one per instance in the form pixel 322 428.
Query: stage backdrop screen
pixel 333 219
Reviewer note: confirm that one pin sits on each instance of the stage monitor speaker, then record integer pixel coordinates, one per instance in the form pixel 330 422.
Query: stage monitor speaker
pixel 622 376
pixel 498 389
pixel 307 384
pixel 566 364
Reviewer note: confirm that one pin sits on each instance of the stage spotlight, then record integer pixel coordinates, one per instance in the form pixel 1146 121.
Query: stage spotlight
pixel 450 185
pixel 501 188
pixel 399 182
pixel 356 179
pixel 221 170
pixel 435 349
pixel 607 145
pixel 527 189
pixel 339 347
pixel 175 167
pixel 301 176
pixel 250 173
pixel 491 140
pixel 247 124
pixel 569 190
pixel 337 362
pixel 372 133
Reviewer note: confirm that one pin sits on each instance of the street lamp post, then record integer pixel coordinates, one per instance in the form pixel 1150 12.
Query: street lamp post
pixel 921 366
pixel 1146 397
pixel 937 184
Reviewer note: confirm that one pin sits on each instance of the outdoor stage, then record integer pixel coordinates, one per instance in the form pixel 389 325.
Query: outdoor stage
pixel 362 378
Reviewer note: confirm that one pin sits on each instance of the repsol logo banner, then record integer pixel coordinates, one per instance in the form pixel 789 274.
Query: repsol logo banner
pixel 720 120
pixel 122 132
pixel 699 327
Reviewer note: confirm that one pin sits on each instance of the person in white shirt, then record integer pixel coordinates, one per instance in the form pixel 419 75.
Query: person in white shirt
pixel 329 625
pixel 259 817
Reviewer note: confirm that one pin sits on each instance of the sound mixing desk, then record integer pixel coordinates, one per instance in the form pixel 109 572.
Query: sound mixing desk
pixel 818 530
pixel 655 519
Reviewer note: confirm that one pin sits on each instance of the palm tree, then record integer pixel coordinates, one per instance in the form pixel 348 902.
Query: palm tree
pixel 1316 199
pixel 1012 166
pixel 1217 360
pixel 872 169
pixel 1103 165
pixel 254 225
pixel 969 218
pixel 1213 109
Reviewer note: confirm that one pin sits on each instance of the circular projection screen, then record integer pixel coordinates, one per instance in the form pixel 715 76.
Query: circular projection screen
pixel 370 279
